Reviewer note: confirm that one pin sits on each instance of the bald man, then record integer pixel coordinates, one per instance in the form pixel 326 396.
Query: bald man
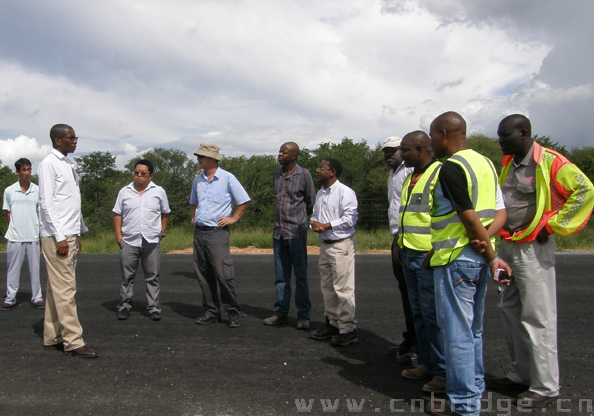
pixel 464 203
pixel 295 196
pixel 414 243
pixel 546 194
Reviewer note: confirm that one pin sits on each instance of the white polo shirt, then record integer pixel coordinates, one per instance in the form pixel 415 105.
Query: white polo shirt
pixel 141 214
pixel 23 207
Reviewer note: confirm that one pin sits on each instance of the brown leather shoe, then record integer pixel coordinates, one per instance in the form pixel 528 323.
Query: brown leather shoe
pixel 302 323
pixel 440 408
pixel 276 320
pixel 418 373
pixel 531 399
pixel 82 352
pixel 437 386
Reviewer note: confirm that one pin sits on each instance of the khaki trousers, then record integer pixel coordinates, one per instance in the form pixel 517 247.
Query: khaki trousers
pixel 337 281
pixel 61 319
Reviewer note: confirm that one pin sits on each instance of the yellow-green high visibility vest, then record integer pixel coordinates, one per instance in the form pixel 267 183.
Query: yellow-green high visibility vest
pixel 448 235
pixel 415 210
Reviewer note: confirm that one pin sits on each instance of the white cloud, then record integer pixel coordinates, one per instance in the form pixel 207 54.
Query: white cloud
pixel 13 149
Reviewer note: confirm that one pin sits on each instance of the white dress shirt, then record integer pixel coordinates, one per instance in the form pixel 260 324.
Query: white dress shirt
pixel 59 198
pixel 336 205
pixel 395 182
pixel 141 214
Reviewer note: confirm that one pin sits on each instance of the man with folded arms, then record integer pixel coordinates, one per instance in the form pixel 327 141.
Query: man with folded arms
pixel 60 225
pixel 545 194
pixel 334 218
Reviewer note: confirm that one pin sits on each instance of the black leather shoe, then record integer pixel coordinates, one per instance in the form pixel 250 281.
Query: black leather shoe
pixel 233 319
pixel 206 319
pixel 324 332
pixel 82 352
pixel 531 399
pixel 345 339
pixel 123 314
pixel 156 316
pixel 506 385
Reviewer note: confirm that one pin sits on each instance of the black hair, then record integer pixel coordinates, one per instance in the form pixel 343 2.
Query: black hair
pixel 146 163
pixel 57 131
pixel 336 165
pixel 21 162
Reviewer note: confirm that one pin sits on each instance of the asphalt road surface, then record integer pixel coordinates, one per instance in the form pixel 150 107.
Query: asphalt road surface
pixel 175 367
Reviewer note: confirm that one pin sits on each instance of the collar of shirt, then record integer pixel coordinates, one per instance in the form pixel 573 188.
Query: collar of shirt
pixel 332 187
pixel 216 175
pixel 528 159
pixel 132 187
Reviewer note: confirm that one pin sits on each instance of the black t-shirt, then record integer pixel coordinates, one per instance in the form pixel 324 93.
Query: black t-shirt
pixel 455 186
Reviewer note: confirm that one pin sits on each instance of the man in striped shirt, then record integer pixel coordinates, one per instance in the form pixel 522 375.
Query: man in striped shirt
pixel 295 197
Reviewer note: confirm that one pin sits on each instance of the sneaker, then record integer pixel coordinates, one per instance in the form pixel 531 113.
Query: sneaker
pixel 409 359
pixel 276 320
pixel 206 319
pixel 156 316
pixel 123 314
pixel 302 323
pixel 345 339
pixel 437 386
pixel 38 305
pixel 233 319
pixel 418 373
pixel 324 332
pixel 8 306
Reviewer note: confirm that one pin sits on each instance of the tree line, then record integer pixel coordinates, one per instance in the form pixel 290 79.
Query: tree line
pixel 364 171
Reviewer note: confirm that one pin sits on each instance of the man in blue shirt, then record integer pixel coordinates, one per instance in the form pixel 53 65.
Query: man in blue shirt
pixel 214 192
pixel 20 208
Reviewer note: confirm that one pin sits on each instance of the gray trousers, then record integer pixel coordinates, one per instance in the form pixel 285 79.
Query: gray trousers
pixel 150 256
pixel 529 311
pixel 213 265
pixel 15 254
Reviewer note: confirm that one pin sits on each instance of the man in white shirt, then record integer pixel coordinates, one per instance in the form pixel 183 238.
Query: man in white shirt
pixel 60 225
pixel 334 218
pixel 20 208
pixel 140 218
pixel 406 351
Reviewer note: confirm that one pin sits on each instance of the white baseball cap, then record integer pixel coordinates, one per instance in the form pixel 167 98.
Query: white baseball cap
pixel 392 141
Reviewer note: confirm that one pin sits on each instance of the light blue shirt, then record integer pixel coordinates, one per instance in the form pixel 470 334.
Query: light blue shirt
pixel 215 198
pixel 23 207
pixel 141 214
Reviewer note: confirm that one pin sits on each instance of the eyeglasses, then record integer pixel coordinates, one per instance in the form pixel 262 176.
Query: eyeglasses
pixel 71 138
pixel 323 169
pixel 140 173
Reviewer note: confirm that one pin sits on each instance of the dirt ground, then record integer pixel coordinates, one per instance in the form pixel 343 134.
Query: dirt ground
pixel 254 250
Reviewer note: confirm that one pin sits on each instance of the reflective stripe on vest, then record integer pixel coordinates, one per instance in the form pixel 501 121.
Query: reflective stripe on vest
pixel 448 235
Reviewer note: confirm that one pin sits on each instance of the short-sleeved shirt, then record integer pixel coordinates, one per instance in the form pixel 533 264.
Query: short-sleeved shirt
pixel 519 193
pixel 215 198
pixel 295 197
pixel 23 208
pixel 141 214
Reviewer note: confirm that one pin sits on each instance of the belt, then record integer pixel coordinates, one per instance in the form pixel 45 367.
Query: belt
pixel 204 228
pixel 334 241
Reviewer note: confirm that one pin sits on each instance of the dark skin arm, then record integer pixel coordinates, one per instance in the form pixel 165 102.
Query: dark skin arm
pixel 476 231
pixel 396 252
pixel 318 227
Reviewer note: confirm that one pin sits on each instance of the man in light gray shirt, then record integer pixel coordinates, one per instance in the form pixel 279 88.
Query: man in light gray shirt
pixel 140 218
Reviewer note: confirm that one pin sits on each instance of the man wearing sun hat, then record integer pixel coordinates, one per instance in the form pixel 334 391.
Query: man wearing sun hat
pixel 406 350
pixel 214 192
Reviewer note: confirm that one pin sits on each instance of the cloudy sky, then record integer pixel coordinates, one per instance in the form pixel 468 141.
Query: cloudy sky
pixel 249 75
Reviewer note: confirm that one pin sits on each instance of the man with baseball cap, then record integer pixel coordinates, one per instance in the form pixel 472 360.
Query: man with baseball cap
pixel 214 192
pixel 406 350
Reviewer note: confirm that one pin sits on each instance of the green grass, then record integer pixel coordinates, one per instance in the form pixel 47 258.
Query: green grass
pixel 180 238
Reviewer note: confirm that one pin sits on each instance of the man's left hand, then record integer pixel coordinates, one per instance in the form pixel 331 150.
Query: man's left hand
pixel 543 236
pixel 225 221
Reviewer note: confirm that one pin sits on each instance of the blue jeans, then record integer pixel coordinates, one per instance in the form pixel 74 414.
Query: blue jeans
pixel 421 295
pixel 288 255
pixel 460 289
